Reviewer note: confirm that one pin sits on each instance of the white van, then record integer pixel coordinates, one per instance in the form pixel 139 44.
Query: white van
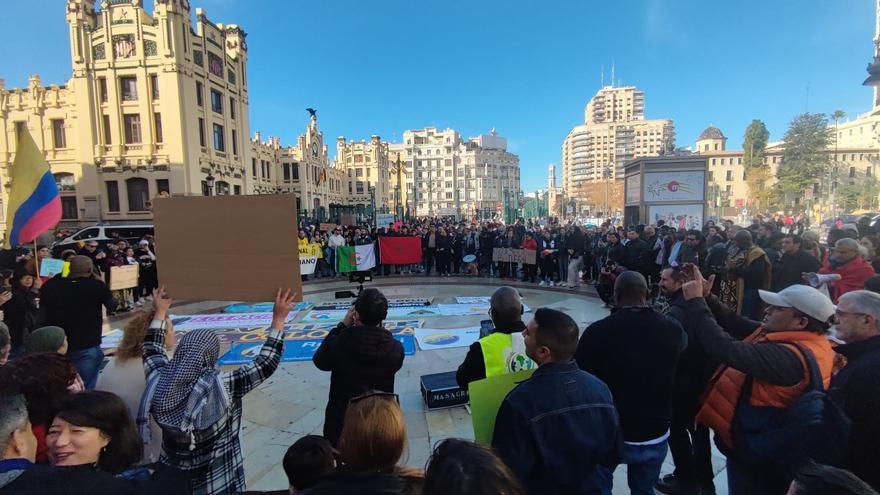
pixel 103 234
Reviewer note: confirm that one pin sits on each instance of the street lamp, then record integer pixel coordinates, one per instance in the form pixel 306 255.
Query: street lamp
pixel 372 190
pixel 209 181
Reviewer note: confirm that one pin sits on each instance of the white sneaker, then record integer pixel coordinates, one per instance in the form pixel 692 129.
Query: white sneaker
pixel 550 283
pixel 543 284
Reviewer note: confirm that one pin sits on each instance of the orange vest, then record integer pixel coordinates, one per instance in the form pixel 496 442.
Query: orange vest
pixel 719 401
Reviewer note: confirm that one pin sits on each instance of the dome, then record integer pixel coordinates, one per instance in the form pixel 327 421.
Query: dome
pixel 711 132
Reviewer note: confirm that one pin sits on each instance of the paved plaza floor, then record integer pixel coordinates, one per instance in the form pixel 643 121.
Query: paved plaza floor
pixel 291 403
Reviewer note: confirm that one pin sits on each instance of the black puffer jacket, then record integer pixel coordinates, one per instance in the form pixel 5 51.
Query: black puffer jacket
pixel 346 481
pixel 360 359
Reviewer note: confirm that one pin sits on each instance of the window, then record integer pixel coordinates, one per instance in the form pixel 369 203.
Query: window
pixel 132 128
pixel 58 133
pixel 65 181
pixel 107 133
pixel 285 169
pixel 359 172
pixel 254 167
pixel 138 194
pixel 199 94
pixel 295 172
pixel 112 195
pixel 236 190
pixel 154 85
pixel 219 145
pixel 128 86
pixel 744 175
pixel 359 186
pixel 852 172
pixel 102 89
pixel 157 120
pixel 20 128
pixel 268 171
pixel 711 176
pixel 202 132
pixel 231 108
pixel 234 143
pixel 162 185
pixel 729 175
pixel 216 101
pixel 68 207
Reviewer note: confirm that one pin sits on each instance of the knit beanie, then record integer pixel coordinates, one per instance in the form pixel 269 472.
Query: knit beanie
pixel 45 339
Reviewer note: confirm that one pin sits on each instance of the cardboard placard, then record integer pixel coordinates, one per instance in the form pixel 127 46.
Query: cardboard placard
pixel 346 219
pixel 510 255
pixel 123 277
pixel 227 248
pixel 327 227
pixel 49 267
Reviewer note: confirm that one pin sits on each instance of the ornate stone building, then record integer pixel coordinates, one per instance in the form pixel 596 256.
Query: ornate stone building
pixel 156 102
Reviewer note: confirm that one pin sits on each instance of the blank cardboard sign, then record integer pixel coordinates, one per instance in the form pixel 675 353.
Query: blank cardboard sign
pixel 227 248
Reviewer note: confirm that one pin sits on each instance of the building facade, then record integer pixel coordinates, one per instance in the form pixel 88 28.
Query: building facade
pixel 448 176
pixel 156 102
pixel 614 132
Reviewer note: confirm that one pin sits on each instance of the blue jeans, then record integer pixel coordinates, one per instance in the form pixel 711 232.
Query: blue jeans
pixel 643 464
pixel 88 361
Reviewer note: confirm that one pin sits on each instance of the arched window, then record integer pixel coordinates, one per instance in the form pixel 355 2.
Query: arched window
pixel 222 188
pixel 138 193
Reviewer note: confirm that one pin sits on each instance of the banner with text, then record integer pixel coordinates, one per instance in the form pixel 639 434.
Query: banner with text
pixel 510 255
pixel 308 258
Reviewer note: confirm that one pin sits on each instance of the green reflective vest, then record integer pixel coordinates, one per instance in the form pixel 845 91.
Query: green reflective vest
pixel 502 355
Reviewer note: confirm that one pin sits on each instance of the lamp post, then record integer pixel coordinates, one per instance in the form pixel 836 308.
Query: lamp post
pixel 209 181
pixel 372 190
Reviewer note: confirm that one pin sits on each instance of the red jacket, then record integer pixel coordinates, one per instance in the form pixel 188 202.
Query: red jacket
pixel 529 244
pixel 853 275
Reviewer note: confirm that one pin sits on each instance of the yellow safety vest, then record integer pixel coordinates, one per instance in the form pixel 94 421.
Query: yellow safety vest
pixel 500 357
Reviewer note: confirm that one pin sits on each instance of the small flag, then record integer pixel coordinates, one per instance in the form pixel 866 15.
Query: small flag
pixel 355 258
pixel 34 202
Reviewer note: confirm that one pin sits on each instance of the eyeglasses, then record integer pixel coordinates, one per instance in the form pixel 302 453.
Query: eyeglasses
pixel 838 313
pixel 374 393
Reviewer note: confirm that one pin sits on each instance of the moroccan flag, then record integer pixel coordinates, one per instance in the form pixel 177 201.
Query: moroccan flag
pixel 34 202
pixel 355 258
pixel 400 250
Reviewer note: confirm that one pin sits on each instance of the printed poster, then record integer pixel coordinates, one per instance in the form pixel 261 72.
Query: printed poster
pixel 674 186
pixel 263 307
pixel 431 339
pixel 295 350
pixel 224 320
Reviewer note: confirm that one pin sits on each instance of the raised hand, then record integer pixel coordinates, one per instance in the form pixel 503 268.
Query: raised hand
pixel 284 302
pixel 161 303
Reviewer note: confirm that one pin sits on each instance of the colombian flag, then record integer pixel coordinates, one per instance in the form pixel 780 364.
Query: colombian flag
pixel 34 203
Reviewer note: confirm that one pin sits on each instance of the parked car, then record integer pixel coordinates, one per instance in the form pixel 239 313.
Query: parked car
pixel 103 234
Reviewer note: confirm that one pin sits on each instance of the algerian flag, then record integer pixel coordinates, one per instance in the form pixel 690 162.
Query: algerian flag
pixel 355 258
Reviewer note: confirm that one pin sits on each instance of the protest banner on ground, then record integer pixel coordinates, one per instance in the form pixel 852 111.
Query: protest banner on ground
pixel 327 227
pixel 253 249
pixel 355 258
pixel 430 339
pixel 49 267
pixel 262 307
pixel 225 320
pixel 409 302
pixel 510 255
pixel 400 250
pixel 123 277
pixel 297 350
pixel 486 396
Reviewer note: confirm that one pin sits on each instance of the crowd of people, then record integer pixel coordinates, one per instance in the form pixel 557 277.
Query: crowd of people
pixel 762 335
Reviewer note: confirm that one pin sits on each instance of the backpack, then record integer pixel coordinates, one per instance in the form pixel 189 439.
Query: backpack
pixel 812 427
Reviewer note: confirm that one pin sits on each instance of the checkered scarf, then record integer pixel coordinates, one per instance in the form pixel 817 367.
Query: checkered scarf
pixel 187 395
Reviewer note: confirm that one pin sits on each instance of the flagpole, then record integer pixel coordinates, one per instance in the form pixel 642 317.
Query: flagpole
pixel 36 258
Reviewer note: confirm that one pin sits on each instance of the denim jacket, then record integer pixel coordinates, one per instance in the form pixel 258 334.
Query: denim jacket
pixel 554 429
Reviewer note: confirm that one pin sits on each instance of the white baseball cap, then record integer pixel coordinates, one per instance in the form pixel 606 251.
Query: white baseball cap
pixel 803 298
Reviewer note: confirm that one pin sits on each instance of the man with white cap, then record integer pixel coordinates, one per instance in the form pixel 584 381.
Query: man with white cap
pixel 772 357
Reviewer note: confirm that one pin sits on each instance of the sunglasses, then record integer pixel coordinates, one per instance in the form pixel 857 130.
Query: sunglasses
pixel 374 393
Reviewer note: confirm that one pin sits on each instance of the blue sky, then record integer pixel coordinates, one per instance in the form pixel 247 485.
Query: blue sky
pixel 526 68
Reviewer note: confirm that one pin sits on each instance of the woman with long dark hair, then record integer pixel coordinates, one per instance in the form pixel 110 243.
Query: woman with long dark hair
pixel 20 311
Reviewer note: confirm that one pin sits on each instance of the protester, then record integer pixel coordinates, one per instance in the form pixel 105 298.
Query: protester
pixel 558 429
pixel 305 463
pixel 793 264
pixel 856 388
pixel 873 284
pixel 5 343
pixel 75 303
pixel 574 246
pixel 635 350
pixel 370 446
pixel 819 479
pixel 749 271
pixel 461 467
pixel 689 441
pixel 21 310
pixel 847 261
pixel 361 356
pixel 503 350
pixel 772 359
pixel 124 374
pixel 18 473
pixel 46 339
pixel 197 406
pixel 44 380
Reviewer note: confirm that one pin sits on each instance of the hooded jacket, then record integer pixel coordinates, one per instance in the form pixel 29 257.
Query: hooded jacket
pixel 360 359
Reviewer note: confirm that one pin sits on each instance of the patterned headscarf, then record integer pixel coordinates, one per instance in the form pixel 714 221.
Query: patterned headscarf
pixel 188 394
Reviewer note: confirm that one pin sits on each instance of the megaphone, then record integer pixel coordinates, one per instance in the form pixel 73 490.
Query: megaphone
pixel 817 280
